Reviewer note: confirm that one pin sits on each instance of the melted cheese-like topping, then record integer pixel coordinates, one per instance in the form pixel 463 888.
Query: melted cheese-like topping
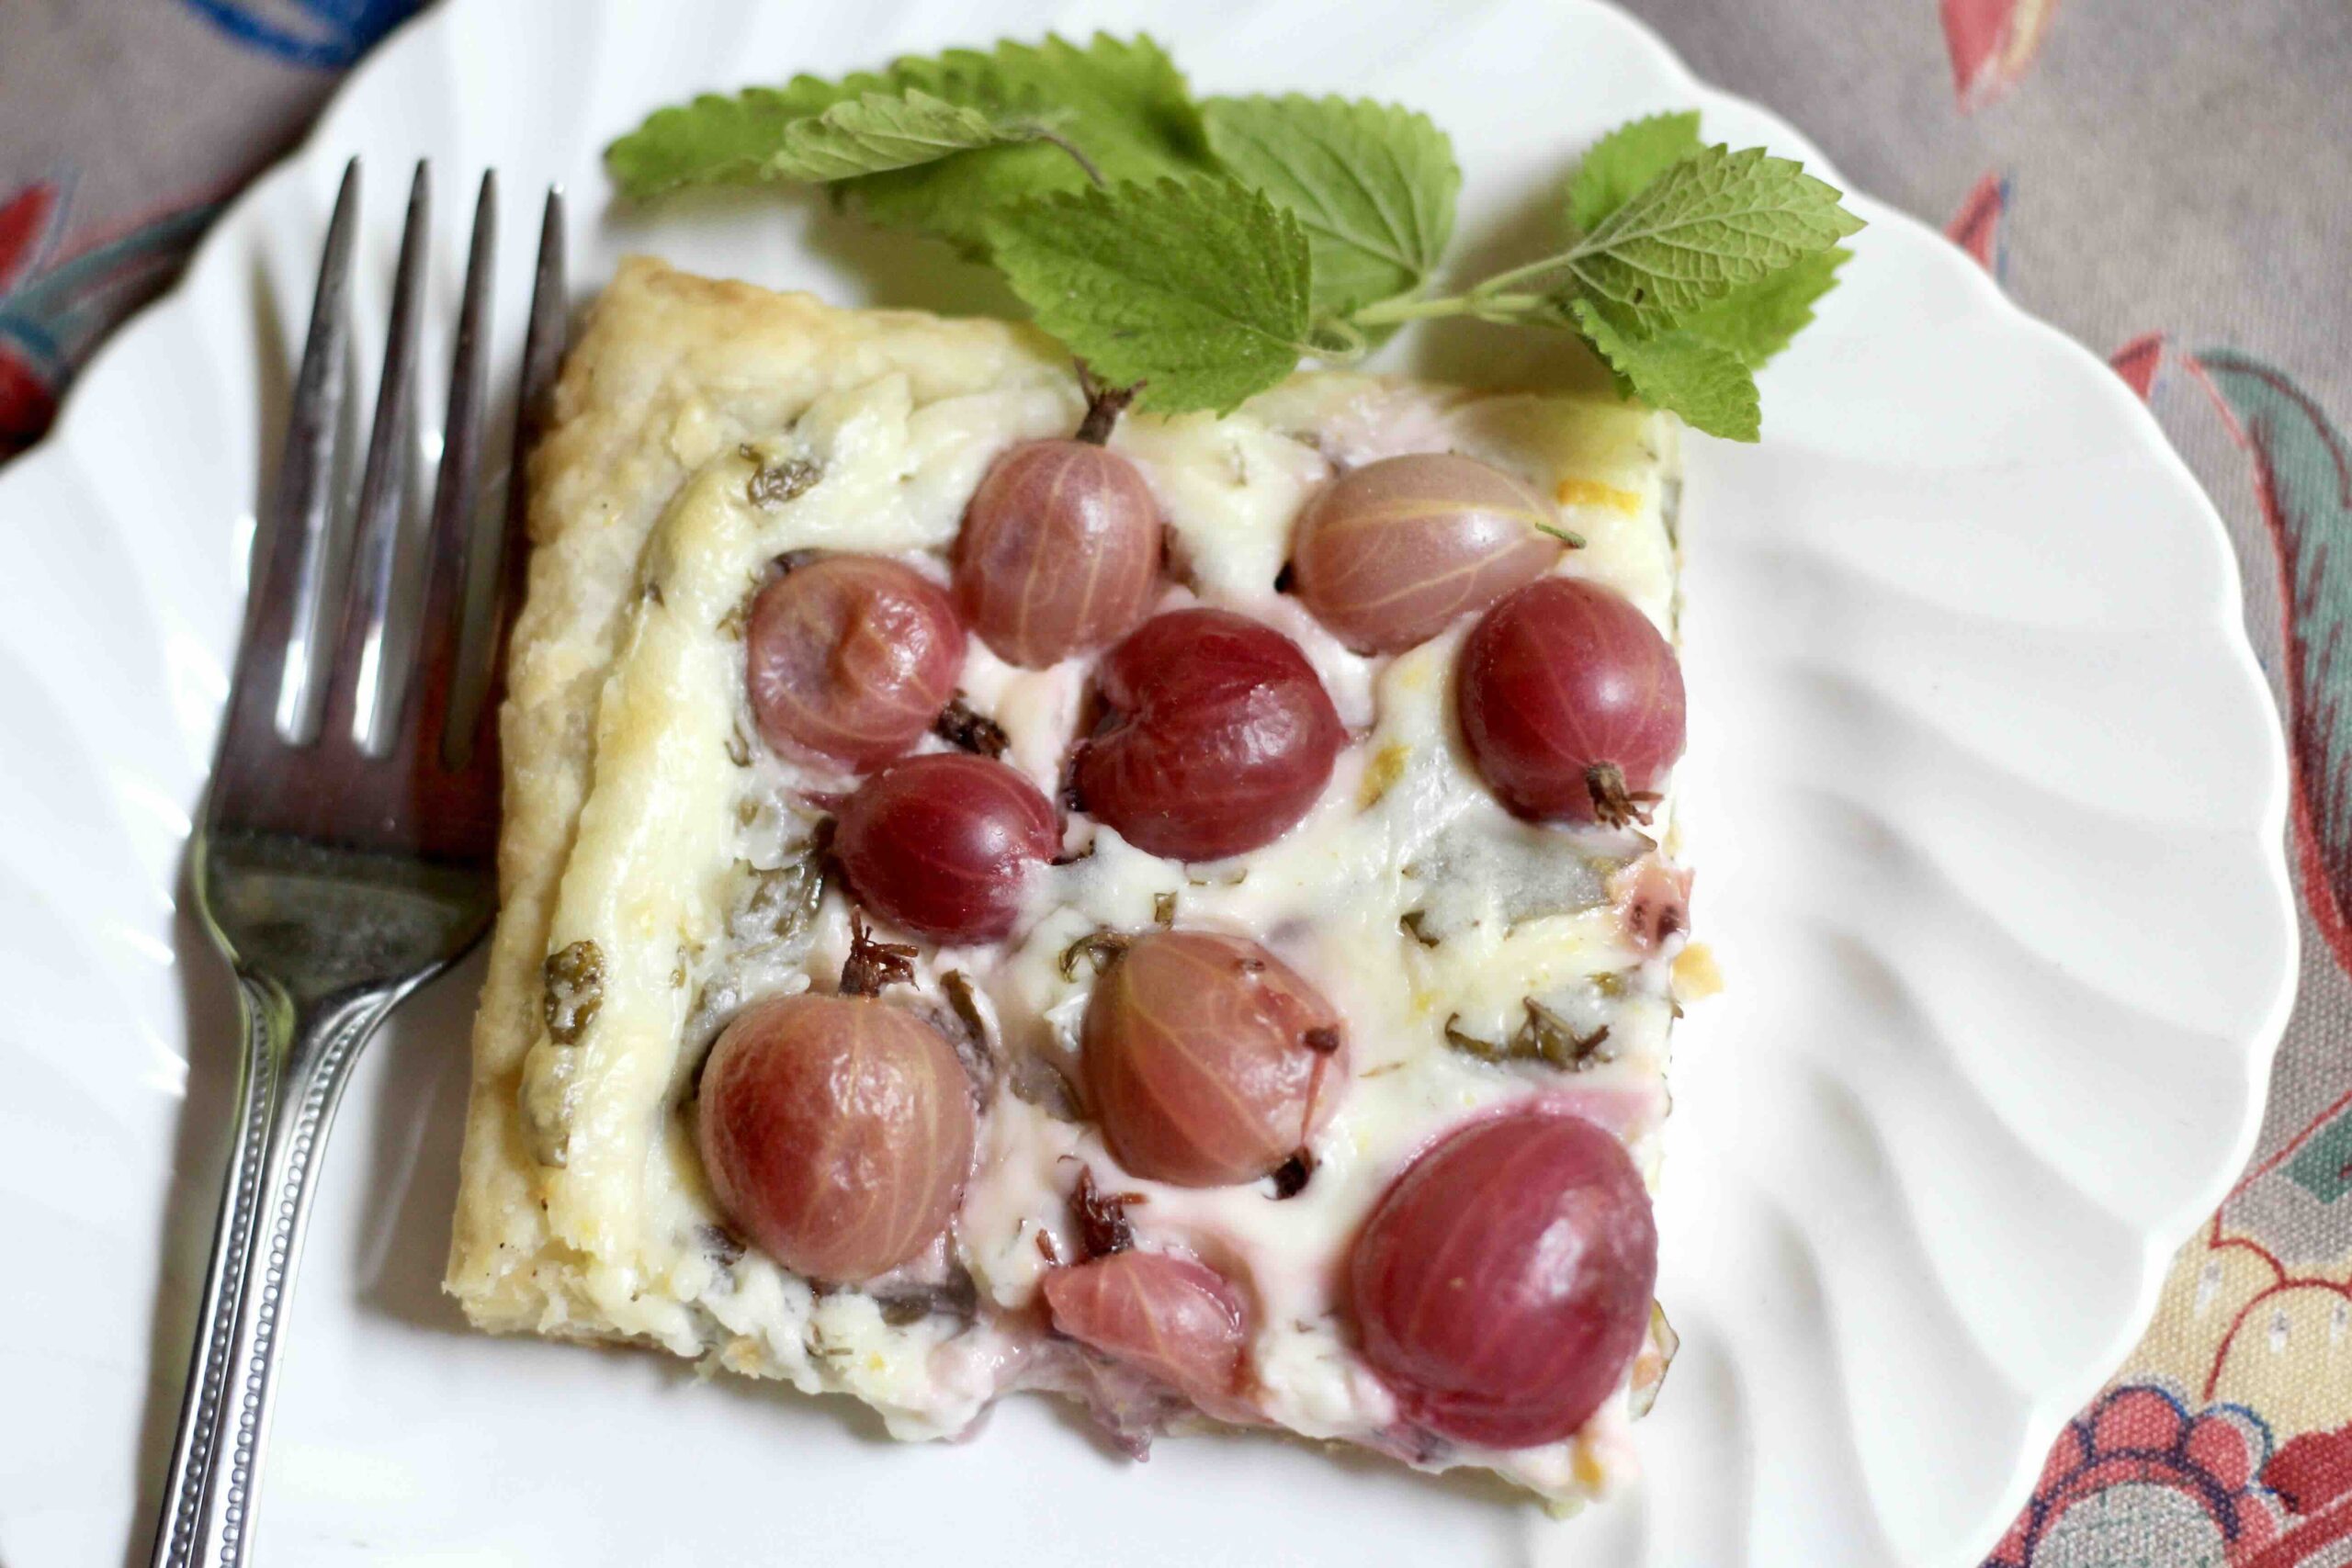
pixel 1408 894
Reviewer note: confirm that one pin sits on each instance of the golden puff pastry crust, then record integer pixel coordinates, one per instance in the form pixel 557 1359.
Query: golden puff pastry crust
pixel 670 373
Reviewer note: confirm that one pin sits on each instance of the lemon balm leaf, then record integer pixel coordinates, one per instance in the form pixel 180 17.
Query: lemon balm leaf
pixel 1707 386
pixel 1373 186
pixel 878 131
pixel 1625 161
pixel 1196 289
pixel 1043 117
pixel 1715 222
pixel 1757 321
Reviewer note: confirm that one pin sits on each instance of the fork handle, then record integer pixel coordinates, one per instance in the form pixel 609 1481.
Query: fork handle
pixel 298 1056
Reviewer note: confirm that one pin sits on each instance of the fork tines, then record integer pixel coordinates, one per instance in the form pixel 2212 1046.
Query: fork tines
pixel 272 765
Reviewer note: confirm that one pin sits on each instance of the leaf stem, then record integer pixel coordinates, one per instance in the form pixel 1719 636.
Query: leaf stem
pixel 1339 340
pixel 1066 145
pixel 1503 280
pixel 1490 298
pixel 1388 313
pixel 1482 306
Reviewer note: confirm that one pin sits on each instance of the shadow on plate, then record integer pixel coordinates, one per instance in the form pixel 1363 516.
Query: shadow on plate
pixel 1471 1485
pixel 410 1191
pixel 1478 354
pixel 893 268
pixel 792 1414
pixel 191 1205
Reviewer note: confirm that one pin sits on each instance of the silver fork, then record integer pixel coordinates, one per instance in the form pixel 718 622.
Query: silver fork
pixel 338 874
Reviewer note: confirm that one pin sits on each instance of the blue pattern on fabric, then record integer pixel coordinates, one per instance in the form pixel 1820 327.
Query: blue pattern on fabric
pixel 326 35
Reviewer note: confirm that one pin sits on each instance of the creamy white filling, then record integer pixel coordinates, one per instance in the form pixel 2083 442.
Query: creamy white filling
pixel 1404 830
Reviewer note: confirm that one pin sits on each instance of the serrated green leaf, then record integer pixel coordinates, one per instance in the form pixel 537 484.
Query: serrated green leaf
pixel 1756 323
pixel 969 77
pixel 714 140
pixel 1373 184
pixel 877 131
pixel 1707 386
pixel 721 139
pixel 1716 222
pixel 1122 103
pixel 1198 288
pixel 1625 159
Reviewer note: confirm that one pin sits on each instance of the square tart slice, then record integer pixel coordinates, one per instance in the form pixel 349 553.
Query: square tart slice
pixel 1481 1001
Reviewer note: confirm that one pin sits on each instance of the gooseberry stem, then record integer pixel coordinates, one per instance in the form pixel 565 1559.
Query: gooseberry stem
pixel 1613 804
pixel 873 963
pixel 1105 404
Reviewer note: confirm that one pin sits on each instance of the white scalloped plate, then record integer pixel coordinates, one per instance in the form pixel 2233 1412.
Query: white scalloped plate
pixel 1985 790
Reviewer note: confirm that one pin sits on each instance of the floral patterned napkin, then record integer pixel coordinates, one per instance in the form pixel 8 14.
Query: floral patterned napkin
pixel 2168 180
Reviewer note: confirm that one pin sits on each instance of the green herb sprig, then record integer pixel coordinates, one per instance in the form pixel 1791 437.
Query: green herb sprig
pixel 1200 249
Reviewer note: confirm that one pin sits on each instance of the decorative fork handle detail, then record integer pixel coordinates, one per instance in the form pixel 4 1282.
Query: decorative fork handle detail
pixel 298 1058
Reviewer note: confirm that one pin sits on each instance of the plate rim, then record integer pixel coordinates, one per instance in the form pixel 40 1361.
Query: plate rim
pixel 2058 1401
